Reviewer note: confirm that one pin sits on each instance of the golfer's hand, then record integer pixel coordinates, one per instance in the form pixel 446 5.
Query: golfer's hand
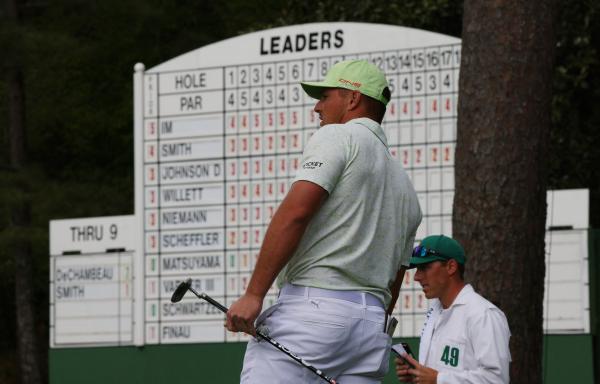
pixel 402 368
pixel 242 313
pixel 420 373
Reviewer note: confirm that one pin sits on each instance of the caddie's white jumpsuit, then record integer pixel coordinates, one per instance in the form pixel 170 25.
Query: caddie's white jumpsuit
pixel 467 342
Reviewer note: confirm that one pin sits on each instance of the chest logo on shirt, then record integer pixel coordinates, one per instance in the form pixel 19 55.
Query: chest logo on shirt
pixel 450 356
pixel 312 165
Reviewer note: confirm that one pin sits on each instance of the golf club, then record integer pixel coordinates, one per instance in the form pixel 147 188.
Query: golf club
pixel 187 285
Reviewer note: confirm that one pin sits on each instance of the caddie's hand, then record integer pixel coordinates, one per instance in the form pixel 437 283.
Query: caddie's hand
pixel 420 373
pixel 242 313
pixel 402 368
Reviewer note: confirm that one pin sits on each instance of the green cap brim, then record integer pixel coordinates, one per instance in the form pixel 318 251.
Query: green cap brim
pixel 416 261
pixel 314 89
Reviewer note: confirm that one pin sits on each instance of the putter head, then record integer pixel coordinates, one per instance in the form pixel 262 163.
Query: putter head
pixel 181 290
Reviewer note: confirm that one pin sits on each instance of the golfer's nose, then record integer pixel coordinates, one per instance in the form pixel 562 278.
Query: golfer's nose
pixel 318 107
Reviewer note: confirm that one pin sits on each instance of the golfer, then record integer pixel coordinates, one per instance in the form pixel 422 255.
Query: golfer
pixel 465 337
pixel 339 242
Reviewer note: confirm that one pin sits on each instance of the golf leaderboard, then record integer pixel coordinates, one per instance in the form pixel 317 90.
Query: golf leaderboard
pixel 223 132
pixel 218 137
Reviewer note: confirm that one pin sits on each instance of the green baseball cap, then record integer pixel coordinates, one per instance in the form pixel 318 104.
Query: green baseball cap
pixel 437 247
pixel 355 75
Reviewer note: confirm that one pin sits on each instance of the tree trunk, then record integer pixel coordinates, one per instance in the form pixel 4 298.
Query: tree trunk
pixel 503 132
pixel 20 246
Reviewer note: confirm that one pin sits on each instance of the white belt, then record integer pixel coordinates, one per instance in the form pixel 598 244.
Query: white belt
pixel 352 296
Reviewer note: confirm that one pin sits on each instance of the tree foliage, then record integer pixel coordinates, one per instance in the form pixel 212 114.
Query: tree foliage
pixel 575 134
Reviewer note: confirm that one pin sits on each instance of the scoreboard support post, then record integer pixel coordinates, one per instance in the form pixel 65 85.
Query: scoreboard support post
pixel 138 111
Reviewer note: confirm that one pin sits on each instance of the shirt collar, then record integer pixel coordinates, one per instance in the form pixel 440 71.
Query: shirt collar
pixel 373 126
pixel 461 299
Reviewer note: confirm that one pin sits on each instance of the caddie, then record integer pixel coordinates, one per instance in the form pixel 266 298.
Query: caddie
pixel 340 243
pixel 465 337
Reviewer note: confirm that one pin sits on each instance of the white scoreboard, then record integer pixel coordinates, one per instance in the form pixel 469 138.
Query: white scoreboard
pixel 219 136
pixel 567 284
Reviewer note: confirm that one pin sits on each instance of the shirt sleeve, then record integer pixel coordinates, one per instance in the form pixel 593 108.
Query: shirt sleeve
pixel 324 158
pixel 489 336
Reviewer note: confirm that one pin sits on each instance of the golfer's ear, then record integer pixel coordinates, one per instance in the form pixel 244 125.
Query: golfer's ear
pixel 355 98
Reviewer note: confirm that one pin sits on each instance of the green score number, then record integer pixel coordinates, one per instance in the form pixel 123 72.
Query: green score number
pixel 450 356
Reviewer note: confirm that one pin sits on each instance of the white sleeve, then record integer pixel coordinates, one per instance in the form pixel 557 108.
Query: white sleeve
pixel 489 336
pixel 324 158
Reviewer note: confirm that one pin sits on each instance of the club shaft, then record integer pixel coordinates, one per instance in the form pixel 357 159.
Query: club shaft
pixel 210 300
pixel 283 349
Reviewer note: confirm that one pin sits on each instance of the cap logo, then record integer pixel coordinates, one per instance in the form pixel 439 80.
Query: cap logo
pixel 349 82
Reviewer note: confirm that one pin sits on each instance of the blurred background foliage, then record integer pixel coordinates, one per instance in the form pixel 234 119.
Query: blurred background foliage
pixel 77 57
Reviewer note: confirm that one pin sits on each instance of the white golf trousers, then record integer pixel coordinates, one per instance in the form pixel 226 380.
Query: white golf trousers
pixel 343 339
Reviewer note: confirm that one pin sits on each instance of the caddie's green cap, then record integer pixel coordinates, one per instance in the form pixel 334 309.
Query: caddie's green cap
pixel 437 247
pixel 356 75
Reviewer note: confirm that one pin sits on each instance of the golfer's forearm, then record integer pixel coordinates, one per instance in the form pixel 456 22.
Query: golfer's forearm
pixel 281 240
